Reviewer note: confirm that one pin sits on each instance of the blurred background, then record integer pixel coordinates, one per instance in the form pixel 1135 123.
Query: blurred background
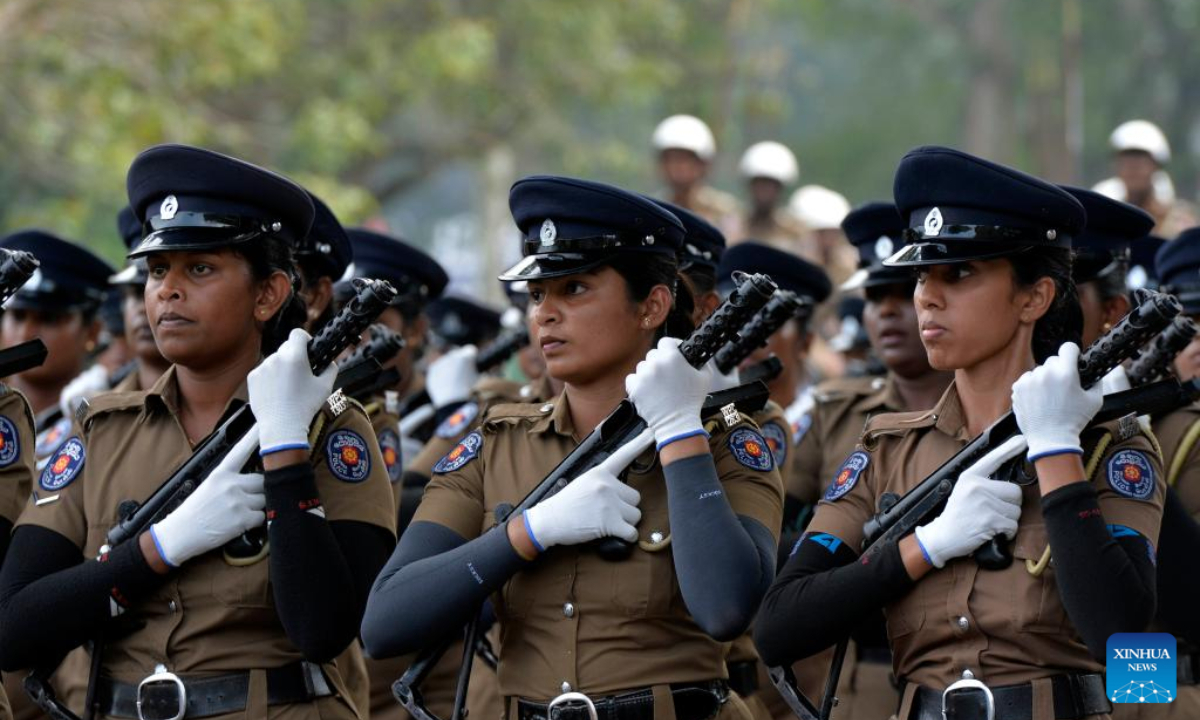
pixel 417 116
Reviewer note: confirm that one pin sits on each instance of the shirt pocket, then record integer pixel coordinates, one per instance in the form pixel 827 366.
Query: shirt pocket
pixel 645 585
pixel 245 586
pixel 1035 603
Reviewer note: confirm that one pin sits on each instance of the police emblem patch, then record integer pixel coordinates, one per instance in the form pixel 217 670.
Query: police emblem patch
pixel 64 465
pixel 458 420
pixel 389 446
pixel 1131 474
pixel 465 451
pixel 10 442
pixel 548 233
pixel 800 427
pixel 49 439
pixel 777 441
pixel 933 223
pixel 884 247
pixel 750 449
pixel 168 208
pixel 847 475
pixel 347 456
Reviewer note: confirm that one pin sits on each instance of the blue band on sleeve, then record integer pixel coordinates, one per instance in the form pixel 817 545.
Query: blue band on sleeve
pixel 682 436
pixel 158 546
pixel 263 452
pixel 1059 451
pixel 529 531
pixel 924 552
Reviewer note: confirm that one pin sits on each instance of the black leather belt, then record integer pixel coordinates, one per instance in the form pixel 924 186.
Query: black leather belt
pixel 220 694
pixel 1075 696
pixel 693 701
pixel 743 677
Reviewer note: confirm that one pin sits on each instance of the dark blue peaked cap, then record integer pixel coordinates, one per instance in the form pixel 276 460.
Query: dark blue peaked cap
pixel 327 246
pixel 876 230
pixel 460 321
pixel 1112 228
pixel 417 277
pixel 189 198
pixel 129 227
pixel 787 270
pixel 959 207
pixel 69 277
pixel 703 243
pixel 1178 264
pixel 572 225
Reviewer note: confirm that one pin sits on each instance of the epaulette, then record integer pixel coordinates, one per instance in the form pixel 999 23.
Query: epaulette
pixel 847 388
pixel 896 423
pixel 491 388
pixel 110 402
pixel 512 413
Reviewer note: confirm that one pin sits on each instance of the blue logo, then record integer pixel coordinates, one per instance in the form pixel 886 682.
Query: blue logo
pixel 1131 474
pixel 776 440
pixel 1141 668
pixel 751 450
pixel 847 475
pixel 348 457
pixel 462 454
pixel 458 421
pixel 64 466
pixel 10 442
pixel 389 446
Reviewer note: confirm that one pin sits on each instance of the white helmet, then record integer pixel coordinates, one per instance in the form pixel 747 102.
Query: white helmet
pixel 770 160
pixel 819 207
pixel 1141 135
pixel 685 132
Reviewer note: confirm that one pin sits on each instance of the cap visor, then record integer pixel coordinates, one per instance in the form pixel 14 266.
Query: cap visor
pixel 934 253
pixel 536 267
pixel 184 239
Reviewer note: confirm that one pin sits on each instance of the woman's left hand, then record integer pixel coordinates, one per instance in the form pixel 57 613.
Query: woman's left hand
pixel 1051 406
pixel 285 395
pixel 669 393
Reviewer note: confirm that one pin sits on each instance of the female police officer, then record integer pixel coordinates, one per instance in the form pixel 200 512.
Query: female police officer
pixel 994 297
pixel 637 636
pixel 242 637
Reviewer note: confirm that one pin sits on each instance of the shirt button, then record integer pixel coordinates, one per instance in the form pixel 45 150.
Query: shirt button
pixel 172 606
pixel 656 537
pixel 566 686
pixel 963 623
pixel 547 407
pixel 568 611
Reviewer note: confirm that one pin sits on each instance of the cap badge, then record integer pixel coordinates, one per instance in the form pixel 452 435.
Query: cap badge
pixel 883 247
pixel 549 233
pixel 169 207
pixel 933 222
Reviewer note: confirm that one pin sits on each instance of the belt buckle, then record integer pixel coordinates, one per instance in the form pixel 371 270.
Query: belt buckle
pixel 161 696
pixel 569 697
pixel 967 684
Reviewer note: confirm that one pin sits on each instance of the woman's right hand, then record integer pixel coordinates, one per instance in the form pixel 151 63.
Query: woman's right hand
pixel 977 510
pixel 595 505
pixel 227 504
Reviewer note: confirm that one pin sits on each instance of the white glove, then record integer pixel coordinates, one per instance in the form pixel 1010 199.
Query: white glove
pixel 722 381
pixel 227 504
pixel 594 505
pixel 86 385
pixel 450 378
pixel 977 510
pixel 1051 406
pixel 285 395
pixel 668 393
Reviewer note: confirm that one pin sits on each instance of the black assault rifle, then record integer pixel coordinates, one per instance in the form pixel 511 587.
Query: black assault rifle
pixel 361 375
pixel 752 292
pixel 1155 361
pixel 371 298
pixel 16 267
pixel 782 306
pixel 900 516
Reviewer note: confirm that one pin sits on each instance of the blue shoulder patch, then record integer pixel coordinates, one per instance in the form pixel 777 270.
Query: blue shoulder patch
pixel 458 421
pixel 847 475
pixel 800 428
pixel 750 449
pixel 1130 473
pixel 776 440
pixel 47 441
pixel 10 442
pixel 825 540
pixel 465 451
pixel 389 447
pixel 347 455
pixel 64 466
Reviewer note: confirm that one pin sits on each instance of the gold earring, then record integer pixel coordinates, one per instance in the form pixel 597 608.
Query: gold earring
pixel 90 346
pixel 1106 327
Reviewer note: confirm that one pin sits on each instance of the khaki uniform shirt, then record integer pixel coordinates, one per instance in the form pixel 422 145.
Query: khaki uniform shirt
pixel 381 411
pixel 716 206
pixel 1006 626
pixel 210 616
pixel 573 617
pixel 780 229
pixel 832 429
pixel 1183 473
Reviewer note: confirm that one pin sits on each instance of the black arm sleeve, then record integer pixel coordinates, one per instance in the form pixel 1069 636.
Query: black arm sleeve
pixel 1178 581
pixel 1106 583
pixel 433 584
pixel 5 531
pixel 52 600
pixel 319 591
pixel 724 562
pixel 823 594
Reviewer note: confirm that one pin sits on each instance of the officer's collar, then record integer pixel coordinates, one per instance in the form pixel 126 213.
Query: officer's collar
pixel 948 415
pixel 556 416
pixel 886 396
pixel 164 395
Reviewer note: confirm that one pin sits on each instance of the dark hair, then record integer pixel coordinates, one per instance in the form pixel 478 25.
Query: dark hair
pixel 311 272
pixel 1063 322
pixel 266 256
pixel 642 271
pixel 1113 284
pixel 703 278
